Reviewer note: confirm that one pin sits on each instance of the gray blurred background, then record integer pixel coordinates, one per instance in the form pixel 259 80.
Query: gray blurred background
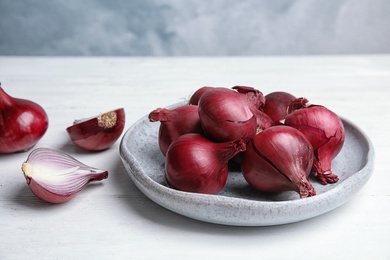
pixel 201 27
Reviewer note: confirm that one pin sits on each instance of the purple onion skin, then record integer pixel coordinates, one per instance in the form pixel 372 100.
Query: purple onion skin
pixel 255 97
pixel 325 131
pixel 94 136
pixel 195 164
pixel 22 123
pixel 279 159
pixel 276 105
pixel 279 104
pixel 194 99
pixel 226 115
pixel 174 123
pixel 263 120
pixel 57 177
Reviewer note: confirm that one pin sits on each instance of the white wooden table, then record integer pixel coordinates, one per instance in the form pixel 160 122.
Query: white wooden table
pixel 114 220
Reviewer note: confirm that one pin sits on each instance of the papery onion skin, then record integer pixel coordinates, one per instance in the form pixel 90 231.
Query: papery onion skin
pixel 257 101
pixel 56 177
pixel 174 123
pixel 279 159
pixel 279 104
pixel 226 115
pixel 263 120
pixel 100 132
pixel 194 99
pixel 325 131
pixel 254 96
pixel 22 123
pixel 225 130
pixel 195 164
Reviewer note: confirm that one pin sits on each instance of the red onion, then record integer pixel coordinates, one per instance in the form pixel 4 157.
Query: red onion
pixel 325 131
pixel 22 123
pixel 174 123
pixel 98 133
pixel 56 177
pixel 279 159
pixel 195 164
pixel 279 104
pixel 194 99
pixel 226 115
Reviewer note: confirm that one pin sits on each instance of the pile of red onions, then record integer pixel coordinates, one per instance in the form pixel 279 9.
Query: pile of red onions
pixel 280 139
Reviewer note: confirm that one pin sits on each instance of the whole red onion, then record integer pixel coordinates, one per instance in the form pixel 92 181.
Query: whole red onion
pixel 195 164
pixel 279 159
pixel 325 131
pixel 279 104
pixel 22 123
pixel 226 114
pixel 174 123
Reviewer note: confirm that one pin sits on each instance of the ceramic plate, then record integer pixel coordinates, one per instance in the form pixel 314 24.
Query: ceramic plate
pixel 238 204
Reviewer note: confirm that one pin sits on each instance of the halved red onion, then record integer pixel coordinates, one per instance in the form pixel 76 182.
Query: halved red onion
pixel 98 133
pixel 56 177
pixel 22 123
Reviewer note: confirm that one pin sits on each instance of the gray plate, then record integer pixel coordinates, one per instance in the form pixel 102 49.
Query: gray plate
pixel 238 204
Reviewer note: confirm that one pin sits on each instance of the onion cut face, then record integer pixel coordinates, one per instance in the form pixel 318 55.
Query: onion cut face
pixel 325 131
pixel 56 177
pixel 279 159
pixel 194 99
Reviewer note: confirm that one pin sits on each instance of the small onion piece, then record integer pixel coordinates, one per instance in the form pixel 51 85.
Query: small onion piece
pixel 325 131
pixel 279 159
pixel 195 164
pixel 98 133
pixel 57 177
